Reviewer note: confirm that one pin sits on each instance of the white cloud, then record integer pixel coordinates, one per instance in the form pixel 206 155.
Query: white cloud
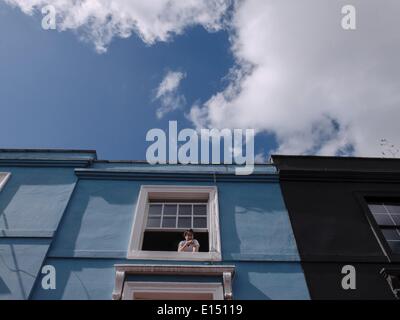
pixel 298 75
pixel 100 21
pixel 168 93
pixel 260 158
pixel 314 86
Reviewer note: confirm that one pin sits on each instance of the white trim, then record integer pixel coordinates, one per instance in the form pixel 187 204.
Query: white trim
pixel 169 192
pixel 172 255
pixel 148 288
pixel 227 272
pixel 4 177
pixel 177 216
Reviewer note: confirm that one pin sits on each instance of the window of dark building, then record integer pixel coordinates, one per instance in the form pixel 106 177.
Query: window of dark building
pixel 386 213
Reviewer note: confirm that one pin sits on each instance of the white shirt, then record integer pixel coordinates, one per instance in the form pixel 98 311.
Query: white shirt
pixel 190 247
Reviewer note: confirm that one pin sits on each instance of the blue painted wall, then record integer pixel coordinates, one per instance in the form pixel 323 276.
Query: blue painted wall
pixel 94 279
pixel 20 261
pixel 91 218
pixel 34 199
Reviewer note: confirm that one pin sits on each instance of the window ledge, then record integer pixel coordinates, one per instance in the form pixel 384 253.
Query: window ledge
pixel 179 256
pixel 121 270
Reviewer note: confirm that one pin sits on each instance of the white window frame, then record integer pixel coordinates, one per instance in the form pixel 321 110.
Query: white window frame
pixel 178 215
pixel 131 288
pixel 4 177
pixel 148 192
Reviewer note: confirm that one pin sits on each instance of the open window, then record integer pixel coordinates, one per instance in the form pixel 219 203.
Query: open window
pixel 163 213
pixel 4 176
pixel 167 220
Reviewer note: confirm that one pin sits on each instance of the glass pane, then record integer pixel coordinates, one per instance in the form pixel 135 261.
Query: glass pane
pixel 391 234
pixel 396 219
pixel 395 246
pixel 393 208
pixel 184 222
pixel 169 222
pixel 377 208
pixel 170 209
pixel 185 209
pixel 155 209
pixel 153 222
pixel 199 222
pixel 383 219
pixel 200 209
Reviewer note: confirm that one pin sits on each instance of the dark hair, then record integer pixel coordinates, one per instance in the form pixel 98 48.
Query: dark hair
pixel 188 231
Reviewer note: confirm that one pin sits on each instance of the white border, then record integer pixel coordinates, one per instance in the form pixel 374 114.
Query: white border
pixel 140 218
pixel 130 288
pixel 4 177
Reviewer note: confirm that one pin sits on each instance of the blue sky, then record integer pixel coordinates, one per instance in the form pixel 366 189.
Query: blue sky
pixel 58 92
pixel 288 69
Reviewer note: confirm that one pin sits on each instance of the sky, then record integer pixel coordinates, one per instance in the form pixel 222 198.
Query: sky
pixel 114 69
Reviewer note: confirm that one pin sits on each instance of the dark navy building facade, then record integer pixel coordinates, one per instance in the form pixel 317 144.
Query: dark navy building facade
pixel 345 212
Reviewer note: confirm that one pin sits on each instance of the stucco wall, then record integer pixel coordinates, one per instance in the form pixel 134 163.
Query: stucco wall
pixel 82 226
pixel 20 262
pixel 94 279
pixel 256 237
pixel 34 199
pixel 31 206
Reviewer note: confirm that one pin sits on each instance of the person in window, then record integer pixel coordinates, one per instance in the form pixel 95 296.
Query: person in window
pixel 189 244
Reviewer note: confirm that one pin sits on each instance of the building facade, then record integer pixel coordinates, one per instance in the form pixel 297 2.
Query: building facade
pixel 74 227
pixel 345 215
pixel 298 228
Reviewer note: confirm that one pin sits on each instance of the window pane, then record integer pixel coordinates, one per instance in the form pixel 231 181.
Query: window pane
pixel 396 219
pixel 200 222
pixel 169 222
pixel 153 222
pixel 383 220
pixel 395 246
pixel 200 209
pixel 185 209
pixel 170 209
pixel 377 208
pixel 184 222
pixel 155 209
pixel 393 208
pixel 391 234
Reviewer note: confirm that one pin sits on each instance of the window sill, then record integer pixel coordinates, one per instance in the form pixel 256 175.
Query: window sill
pixel 178 256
